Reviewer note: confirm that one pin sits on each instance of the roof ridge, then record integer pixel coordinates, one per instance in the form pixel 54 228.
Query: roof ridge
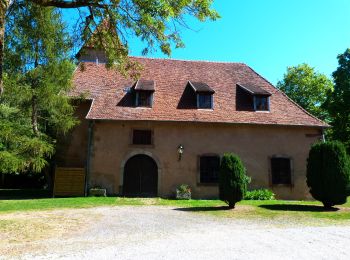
pixel 199 61
pixel 288 98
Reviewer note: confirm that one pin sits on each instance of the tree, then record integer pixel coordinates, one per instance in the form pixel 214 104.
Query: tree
pixel 38 73
pixel 156 22
pixel 328 173
pixel 232 179
pixel 307 88
pixel 338 101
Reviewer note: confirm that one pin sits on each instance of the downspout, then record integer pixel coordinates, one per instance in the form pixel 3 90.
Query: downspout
pixel 89 154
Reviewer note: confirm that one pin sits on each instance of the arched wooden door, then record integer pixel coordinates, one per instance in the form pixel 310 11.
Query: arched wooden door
pixel 140 177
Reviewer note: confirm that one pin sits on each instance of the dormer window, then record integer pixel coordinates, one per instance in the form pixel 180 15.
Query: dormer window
pixel 252 97
pixel 144 90
pixel 204 95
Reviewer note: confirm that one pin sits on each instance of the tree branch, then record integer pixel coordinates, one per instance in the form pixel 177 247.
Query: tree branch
pixel 70 4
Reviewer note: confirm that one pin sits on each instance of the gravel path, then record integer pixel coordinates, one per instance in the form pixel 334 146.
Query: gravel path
pixel 164 233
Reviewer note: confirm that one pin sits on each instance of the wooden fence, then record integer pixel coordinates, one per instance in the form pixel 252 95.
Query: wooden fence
pixel 69 182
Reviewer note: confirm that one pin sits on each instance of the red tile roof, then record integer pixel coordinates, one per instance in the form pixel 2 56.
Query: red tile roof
pixel 109 92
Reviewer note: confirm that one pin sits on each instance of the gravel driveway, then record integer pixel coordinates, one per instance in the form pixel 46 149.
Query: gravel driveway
pixel 165 233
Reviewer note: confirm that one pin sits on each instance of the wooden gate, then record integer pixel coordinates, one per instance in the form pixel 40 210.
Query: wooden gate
pixel 69 182
pixel 140 177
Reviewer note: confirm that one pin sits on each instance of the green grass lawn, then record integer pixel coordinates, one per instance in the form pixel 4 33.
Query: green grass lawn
pixel 266 210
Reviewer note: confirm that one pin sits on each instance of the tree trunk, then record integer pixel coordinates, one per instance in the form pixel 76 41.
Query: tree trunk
pixel 231 205
pixel 4 4
pixel 49 177
pixel 35 116
pixel 34 98
pixel 327 205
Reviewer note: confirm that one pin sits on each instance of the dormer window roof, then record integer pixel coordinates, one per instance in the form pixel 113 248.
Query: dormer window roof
pixel 254 90
pixel 144 85
pixel 201 87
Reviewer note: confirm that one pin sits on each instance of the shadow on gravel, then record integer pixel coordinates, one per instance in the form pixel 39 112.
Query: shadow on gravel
pixel 194 209
pixel 293 207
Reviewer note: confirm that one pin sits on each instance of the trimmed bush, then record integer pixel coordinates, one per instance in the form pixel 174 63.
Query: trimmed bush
pixel 183 192
pixel 232 179
pixel 328 173
pixel 259 194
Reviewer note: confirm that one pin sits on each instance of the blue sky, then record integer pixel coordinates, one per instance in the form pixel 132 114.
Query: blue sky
pixel 269 35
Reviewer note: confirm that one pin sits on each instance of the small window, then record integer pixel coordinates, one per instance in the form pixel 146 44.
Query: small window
pixel 144 99
pixel 281 171
pixel 205 101
pixel 209 169
pixel 143 137
pixel 261 103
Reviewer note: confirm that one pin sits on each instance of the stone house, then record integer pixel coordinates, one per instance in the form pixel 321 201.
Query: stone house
pixel 145 137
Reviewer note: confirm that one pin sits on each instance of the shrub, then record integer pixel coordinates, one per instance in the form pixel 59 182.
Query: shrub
pixel 183 192
pixel 259 194
pixel 328 173
pixel 232 179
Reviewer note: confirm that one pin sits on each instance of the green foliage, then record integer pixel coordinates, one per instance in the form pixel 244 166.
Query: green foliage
pixel 328 173
pixel 20 149
pixel 183 192
pixel 307 88
pixel 338 101
pixel 260 194
pixel 34 107
pixel 156 22
pixel 232 179
pixel 183 188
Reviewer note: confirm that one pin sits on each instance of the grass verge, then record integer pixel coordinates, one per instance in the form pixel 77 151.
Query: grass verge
pixel 268 210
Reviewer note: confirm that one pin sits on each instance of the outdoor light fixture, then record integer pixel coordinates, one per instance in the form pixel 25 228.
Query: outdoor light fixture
pixel 180 150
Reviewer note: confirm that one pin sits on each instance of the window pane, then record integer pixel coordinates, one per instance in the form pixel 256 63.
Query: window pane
pixel 209 169
pixel 144 99
pixel 281 171
pixel 142 137
pixel 261 103
pixel 204 101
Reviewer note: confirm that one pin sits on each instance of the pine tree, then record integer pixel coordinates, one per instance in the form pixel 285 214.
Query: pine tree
pixel 157 23
pixel 35 108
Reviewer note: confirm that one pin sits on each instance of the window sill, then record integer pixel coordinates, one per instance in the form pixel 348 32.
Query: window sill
pixel 206 109
pixel 262 111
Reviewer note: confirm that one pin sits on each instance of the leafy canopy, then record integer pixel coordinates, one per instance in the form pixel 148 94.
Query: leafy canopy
pixel 157 23
pixel 34 108
pixel 338 101
pixel 306 87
